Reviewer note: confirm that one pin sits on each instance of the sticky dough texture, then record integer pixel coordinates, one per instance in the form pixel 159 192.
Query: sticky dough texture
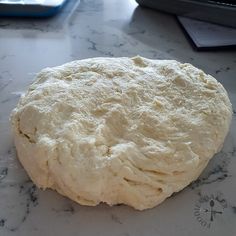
pixel 120 130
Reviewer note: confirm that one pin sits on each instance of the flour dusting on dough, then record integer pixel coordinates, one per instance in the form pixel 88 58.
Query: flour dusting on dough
pixel 120 130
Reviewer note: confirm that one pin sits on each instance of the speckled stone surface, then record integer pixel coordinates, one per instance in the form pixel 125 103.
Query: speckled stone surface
pixel 108 28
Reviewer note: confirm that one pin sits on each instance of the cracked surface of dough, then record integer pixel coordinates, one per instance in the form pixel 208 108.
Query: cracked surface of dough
pixel 120 130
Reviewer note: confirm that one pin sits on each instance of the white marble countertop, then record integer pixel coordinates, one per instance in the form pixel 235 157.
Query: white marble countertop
pixel 108 28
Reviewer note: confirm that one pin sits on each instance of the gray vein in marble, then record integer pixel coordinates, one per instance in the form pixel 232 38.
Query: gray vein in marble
pixel 234 209
pixel 2 222
pixel 222 69
pixel 3 173
pixel 66 209
pixel 28 191
pixel 94 47
pixel 216 171
pixel 4 83
pixel 6 56
pixel 116 219
pixel 94 31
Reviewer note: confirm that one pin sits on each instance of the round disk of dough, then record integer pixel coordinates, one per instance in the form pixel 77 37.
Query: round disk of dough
pixel 120 130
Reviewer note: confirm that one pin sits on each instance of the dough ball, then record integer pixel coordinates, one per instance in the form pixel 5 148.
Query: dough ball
pixel 120 130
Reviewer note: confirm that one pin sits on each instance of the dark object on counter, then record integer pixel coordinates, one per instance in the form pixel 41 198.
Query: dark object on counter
pixel 30 8
pixel 208 36
pixel 216 11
